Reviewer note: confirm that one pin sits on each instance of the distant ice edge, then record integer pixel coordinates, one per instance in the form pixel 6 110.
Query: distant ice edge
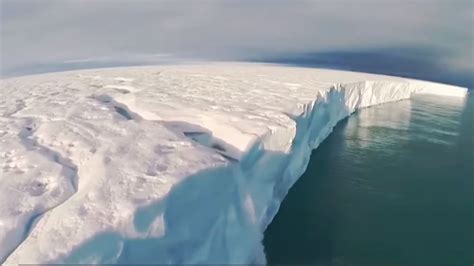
pixel 247 194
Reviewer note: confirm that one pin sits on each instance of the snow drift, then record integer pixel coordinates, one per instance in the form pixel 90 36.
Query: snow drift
pixel 172 164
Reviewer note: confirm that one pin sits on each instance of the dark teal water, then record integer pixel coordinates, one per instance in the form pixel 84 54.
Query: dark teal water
pixel 392 185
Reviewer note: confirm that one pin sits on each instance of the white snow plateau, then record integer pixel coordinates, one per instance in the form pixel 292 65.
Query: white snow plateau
pixel 165 164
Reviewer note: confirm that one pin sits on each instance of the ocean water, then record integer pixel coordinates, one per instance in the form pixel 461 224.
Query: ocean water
pixel 392 185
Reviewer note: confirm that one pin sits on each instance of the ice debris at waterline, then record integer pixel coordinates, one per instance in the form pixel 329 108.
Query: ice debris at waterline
pixel 169 164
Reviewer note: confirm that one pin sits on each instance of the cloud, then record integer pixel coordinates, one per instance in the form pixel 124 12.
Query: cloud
pixel 50 32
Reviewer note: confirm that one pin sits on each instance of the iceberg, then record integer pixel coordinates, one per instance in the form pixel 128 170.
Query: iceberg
pixel 166 164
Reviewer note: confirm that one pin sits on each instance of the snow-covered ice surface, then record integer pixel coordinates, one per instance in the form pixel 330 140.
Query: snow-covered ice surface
pixel 171 164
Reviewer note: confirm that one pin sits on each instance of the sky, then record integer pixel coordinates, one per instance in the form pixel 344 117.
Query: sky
pixel 45 35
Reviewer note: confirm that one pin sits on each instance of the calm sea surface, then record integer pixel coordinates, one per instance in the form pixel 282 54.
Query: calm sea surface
pixel 392 185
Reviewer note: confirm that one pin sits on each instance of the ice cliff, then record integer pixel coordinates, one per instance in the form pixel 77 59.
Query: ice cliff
pixel 169 164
